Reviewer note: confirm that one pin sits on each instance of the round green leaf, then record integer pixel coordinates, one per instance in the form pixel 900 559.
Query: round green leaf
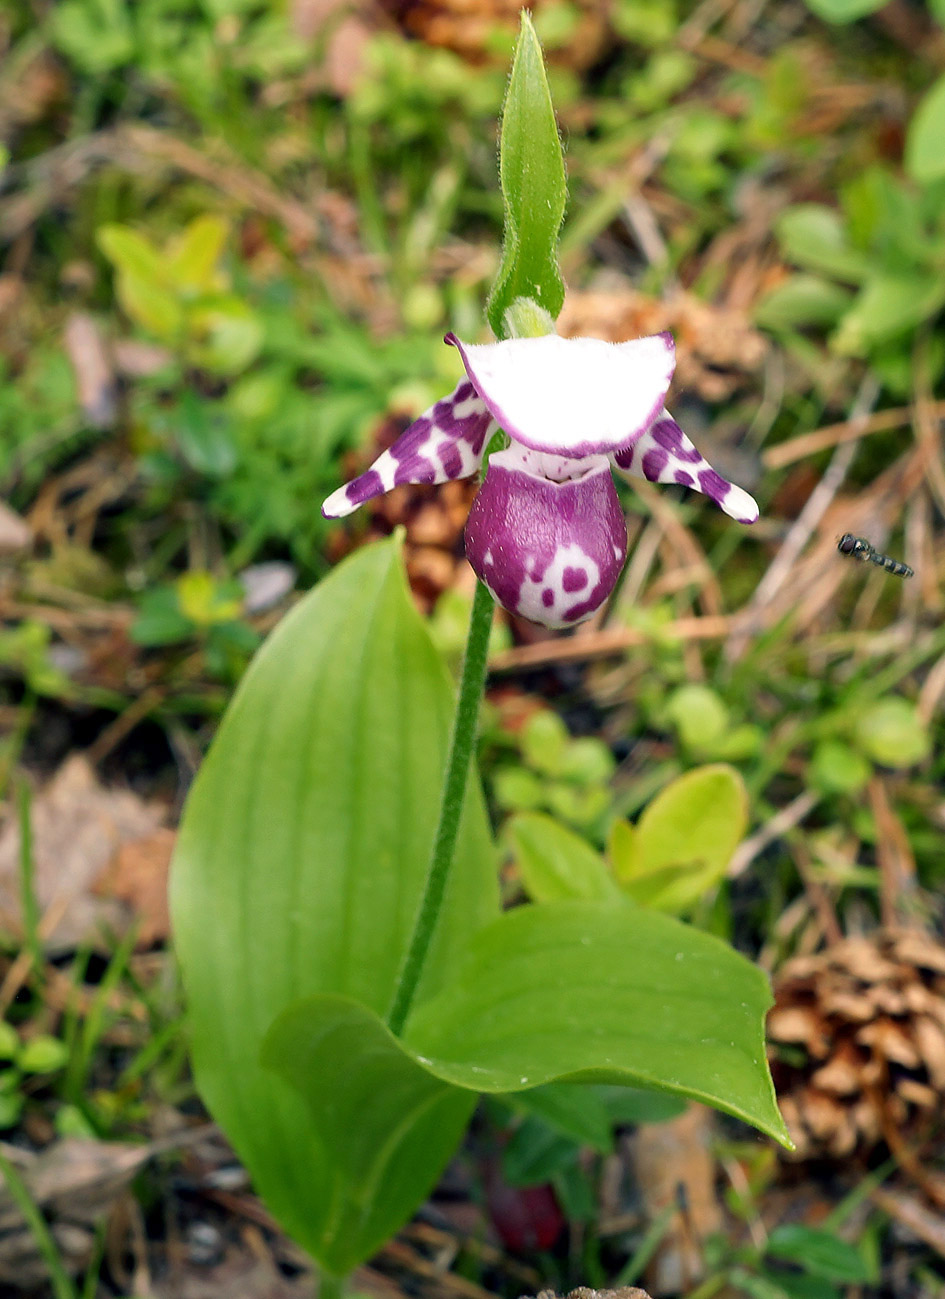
pixel 556 863
pixel 11 1107
pixel 801 301
pixel 925 154
pixel 576 805
pixel 685 838
pixel 544 741
pixel 588 761
pixel 698 714
pixel 891 733
pixel 517 790
pixel 9 1041
pixel 43 1054
pixel 835 768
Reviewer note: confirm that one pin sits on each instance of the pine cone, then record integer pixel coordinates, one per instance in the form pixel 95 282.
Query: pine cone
pixel 857 1043
pixel 585 1292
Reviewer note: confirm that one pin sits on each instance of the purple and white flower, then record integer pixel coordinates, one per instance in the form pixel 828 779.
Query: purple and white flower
pixel 546 533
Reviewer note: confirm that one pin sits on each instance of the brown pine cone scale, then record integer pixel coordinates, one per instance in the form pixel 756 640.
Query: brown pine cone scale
pixel 857 1043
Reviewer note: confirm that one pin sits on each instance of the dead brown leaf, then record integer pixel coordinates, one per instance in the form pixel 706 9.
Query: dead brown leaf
pixel 15 533
pixel 674 1165
pixel 345 32
pixel 468 26
pixel 78 826
pixel 916 1218
pixel 137 875
pixel 33 81
pixel 239 1274
pixel 75 1184
pixel 248 1268
pixel 94 374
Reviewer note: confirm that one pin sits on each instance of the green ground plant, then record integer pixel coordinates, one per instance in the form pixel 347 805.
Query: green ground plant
pixel 427 995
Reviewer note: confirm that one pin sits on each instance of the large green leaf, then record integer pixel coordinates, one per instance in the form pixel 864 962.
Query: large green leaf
pixel 570 991
pixel 594 991
pixel 302 853
pixel 531 172
pixel 383 1125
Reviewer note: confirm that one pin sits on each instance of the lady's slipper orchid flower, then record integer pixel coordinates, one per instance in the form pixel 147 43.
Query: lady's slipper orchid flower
pixel 546 533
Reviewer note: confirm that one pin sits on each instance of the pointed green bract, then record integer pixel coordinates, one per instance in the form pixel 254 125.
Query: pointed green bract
pixel 302 855
pixel 531 172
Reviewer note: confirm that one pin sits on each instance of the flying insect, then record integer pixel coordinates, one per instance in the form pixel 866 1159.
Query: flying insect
pixel 861 549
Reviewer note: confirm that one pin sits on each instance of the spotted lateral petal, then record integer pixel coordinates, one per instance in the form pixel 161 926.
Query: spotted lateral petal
pixel 663 454
pixel 447 441
pixel 572 397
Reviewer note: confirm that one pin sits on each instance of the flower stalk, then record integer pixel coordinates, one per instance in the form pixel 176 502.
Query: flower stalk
pixel 471 688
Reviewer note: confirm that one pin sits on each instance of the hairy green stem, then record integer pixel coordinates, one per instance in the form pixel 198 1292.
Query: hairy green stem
pixel 451 806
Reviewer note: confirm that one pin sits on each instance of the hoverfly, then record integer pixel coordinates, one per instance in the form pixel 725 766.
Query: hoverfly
pixel 862 550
